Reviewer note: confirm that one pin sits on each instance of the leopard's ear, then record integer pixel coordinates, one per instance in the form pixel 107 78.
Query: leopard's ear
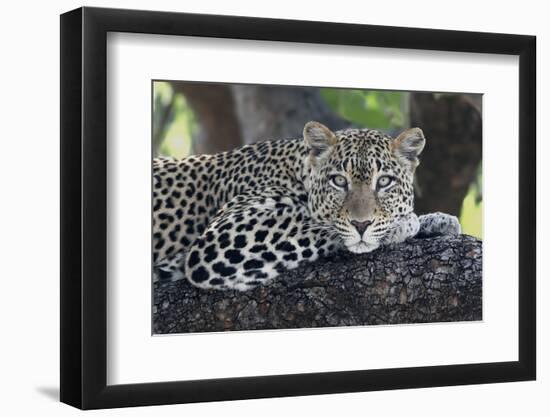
pixel 319 139
pixel 408 145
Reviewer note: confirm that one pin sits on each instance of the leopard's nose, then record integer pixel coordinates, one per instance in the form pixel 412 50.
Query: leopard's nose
pixel 361 226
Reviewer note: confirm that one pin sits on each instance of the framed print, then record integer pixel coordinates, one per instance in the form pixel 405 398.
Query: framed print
pixel 257 208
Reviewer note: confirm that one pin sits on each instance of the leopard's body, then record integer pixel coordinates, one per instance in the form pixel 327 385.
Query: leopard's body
pixel 236 219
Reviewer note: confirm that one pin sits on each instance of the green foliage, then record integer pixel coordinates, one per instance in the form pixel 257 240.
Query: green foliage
pixel 368 108
pixel 471 215
pixel 173 121
pixel 163 110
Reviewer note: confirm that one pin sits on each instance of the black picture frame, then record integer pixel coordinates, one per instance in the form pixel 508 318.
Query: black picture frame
pixel 84 221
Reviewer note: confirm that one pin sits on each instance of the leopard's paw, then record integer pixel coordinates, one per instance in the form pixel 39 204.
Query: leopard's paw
pixel 437 224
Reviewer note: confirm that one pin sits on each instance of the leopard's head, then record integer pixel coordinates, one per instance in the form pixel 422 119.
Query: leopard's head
pixel 360 181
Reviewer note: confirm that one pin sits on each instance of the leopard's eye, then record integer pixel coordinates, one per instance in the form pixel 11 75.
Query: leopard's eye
pixel 339 181
pixel 384 182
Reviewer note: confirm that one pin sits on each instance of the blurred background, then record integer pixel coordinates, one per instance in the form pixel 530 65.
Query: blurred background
pixel 191 118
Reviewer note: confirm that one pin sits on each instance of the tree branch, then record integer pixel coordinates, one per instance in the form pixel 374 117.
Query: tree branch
pixel 422 280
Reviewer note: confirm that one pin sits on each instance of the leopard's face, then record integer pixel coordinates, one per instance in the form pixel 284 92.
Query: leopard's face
pixel 361 181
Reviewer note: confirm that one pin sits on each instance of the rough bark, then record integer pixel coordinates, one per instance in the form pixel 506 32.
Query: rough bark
pixel 452 125
pixel 422 280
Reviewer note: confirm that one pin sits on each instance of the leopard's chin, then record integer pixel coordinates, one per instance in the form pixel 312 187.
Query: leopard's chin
pixel 362 247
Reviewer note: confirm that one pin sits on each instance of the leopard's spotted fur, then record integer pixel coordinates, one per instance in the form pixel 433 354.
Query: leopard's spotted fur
pixel 237 219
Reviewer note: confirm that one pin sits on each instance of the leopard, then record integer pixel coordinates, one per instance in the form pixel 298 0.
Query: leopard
pixel 238 219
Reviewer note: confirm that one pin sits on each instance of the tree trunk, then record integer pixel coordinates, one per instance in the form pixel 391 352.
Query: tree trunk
pixel 234 115
pixel 419 281
pixel 278 112
pixel 214 107
pixel 452 125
